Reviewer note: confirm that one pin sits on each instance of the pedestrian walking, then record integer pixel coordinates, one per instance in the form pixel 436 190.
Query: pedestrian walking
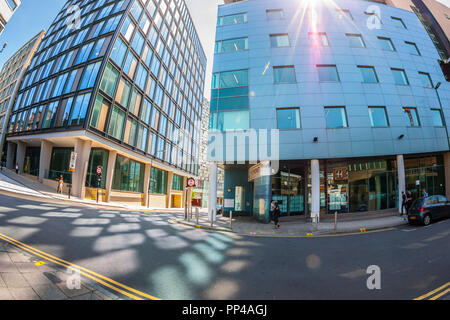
pixel 17 168
pixel 276 216
pixel 60 184
pixel 272 208
pixel 403 202
pixel 425 193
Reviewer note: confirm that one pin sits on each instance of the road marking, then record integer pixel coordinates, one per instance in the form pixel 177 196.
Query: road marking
pixel 114 285
pixel 431 293
pixel 40 263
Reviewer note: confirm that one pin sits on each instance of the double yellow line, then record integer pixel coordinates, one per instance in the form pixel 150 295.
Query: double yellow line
pixel 107 282
pixel 436 293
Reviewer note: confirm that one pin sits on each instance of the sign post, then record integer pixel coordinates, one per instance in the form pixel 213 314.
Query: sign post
pixel 72 168
pixel 190 184
pixel 99 179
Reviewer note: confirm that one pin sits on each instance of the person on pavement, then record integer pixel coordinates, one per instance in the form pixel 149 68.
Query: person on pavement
pixel 276 216
pixel 403 202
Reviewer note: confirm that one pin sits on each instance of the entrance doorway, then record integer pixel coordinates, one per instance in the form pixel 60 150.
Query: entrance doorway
pixel 288 189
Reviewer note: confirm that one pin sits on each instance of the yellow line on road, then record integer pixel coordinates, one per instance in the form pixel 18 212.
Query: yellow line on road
pixel 435 291
pixel 86 272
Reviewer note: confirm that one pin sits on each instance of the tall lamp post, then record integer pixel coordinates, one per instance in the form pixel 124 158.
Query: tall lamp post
pixel 442 111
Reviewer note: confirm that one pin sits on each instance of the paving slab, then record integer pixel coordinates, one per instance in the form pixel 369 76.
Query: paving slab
pixel 49 292
pixel 36 278
pixel 26 267
pixel 18 257
pixel 5 294
pixel 14 280
pixel 24 294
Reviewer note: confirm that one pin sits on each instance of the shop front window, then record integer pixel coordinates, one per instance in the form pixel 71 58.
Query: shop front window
pixel 128 175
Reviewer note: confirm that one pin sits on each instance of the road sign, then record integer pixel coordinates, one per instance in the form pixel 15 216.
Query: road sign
pixel 191 182
pixel 73 161
pixel 99 170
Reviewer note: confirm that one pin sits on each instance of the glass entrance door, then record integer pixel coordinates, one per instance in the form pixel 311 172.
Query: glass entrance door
pixel 337 189
pixel 288 189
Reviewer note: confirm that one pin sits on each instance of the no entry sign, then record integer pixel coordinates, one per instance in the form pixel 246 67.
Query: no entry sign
pixel 191 182
pixel 99 170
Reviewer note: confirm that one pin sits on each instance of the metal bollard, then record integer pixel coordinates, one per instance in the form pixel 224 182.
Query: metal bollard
pixel 197 214
pixel 212 217
pixel 335 220
pixel 231 220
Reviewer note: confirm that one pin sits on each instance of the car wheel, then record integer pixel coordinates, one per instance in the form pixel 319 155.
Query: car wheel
pixel 426 220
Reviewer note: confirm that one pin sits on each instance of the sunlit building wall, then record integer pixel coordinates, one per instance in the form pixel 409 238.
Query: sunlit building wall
pixel 10 79
pixel 7 9
pixel 352 88
pixel 122 88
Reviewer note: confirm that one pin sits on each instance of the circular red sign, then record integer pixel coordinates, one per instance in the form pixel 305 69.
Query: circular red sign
pixel 99 170
pixel 191 182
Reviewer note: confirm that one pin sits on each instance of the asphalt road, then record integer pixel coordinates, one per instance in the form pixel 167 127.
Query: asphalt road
pixel 170 261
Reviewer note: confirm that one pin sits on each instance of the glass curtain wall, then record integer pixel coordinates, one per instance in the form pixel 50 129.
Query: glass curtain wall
pixel 98 157
pixel 59 164
pixel 128 175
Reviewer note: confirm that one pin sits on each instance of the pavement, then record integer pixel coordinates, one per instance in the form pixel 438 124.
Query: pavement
pixel 298 227
pixel 25 277
pixel 346 223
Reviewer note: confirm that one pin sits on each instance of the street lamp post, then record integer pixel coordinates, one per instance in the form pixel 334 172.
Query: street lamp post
pixel 442 112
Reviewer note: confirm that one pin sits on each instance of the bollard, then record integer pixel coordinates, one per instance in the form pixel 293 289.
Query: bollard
pixel 212 217
pixel 231 220
pixel 197 214
pixel 335 220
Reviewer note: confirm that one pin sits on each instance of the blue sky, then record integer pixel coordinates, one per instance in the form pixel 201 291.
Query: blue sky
pixel 36 15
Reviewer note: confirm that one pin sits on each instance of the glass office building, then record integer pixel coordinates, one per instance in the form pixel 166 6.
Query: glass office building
pixel 10 80
pixel 123 89
pixel 350 87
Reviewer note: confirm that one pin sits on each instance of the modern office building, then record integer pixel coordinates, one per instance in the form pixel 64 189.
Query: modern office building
pixel 121 89
pixel 10 79
pixel 435 16
pixel 7 9
pixel 353 98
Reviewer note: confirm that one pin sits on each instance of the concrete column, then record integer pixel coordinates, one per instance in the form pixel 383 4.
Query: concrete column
pixel 147 172
pixel 447 174
pixel 169 190
pixel 83 150
pixel 315 190
pixel 10 155
pixel 110 173
pixel 401 180
pixel 20 154
pixel 45 158
pixel 212 192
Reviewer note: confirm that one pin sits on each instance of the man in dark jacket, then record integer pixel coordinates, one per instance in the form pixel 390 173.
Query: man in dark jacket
pixel 403 201
pixel 276 216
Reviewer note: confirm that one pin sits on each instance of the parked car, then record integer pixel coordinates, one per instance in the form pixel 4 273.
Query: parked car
pixel 425 210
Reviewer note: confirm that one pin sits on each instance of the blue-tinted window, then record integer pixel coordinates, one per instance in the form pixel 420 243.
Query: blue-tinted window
pixel 400 76
pixel 386 44
pixel 285 74
pixel 368 74
pixel 328 73
pixel 336 117
pixel 378 117
pixel 288 118
pixel 437 118
pixel 118 52
pixel 426 79
pixel 411 117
